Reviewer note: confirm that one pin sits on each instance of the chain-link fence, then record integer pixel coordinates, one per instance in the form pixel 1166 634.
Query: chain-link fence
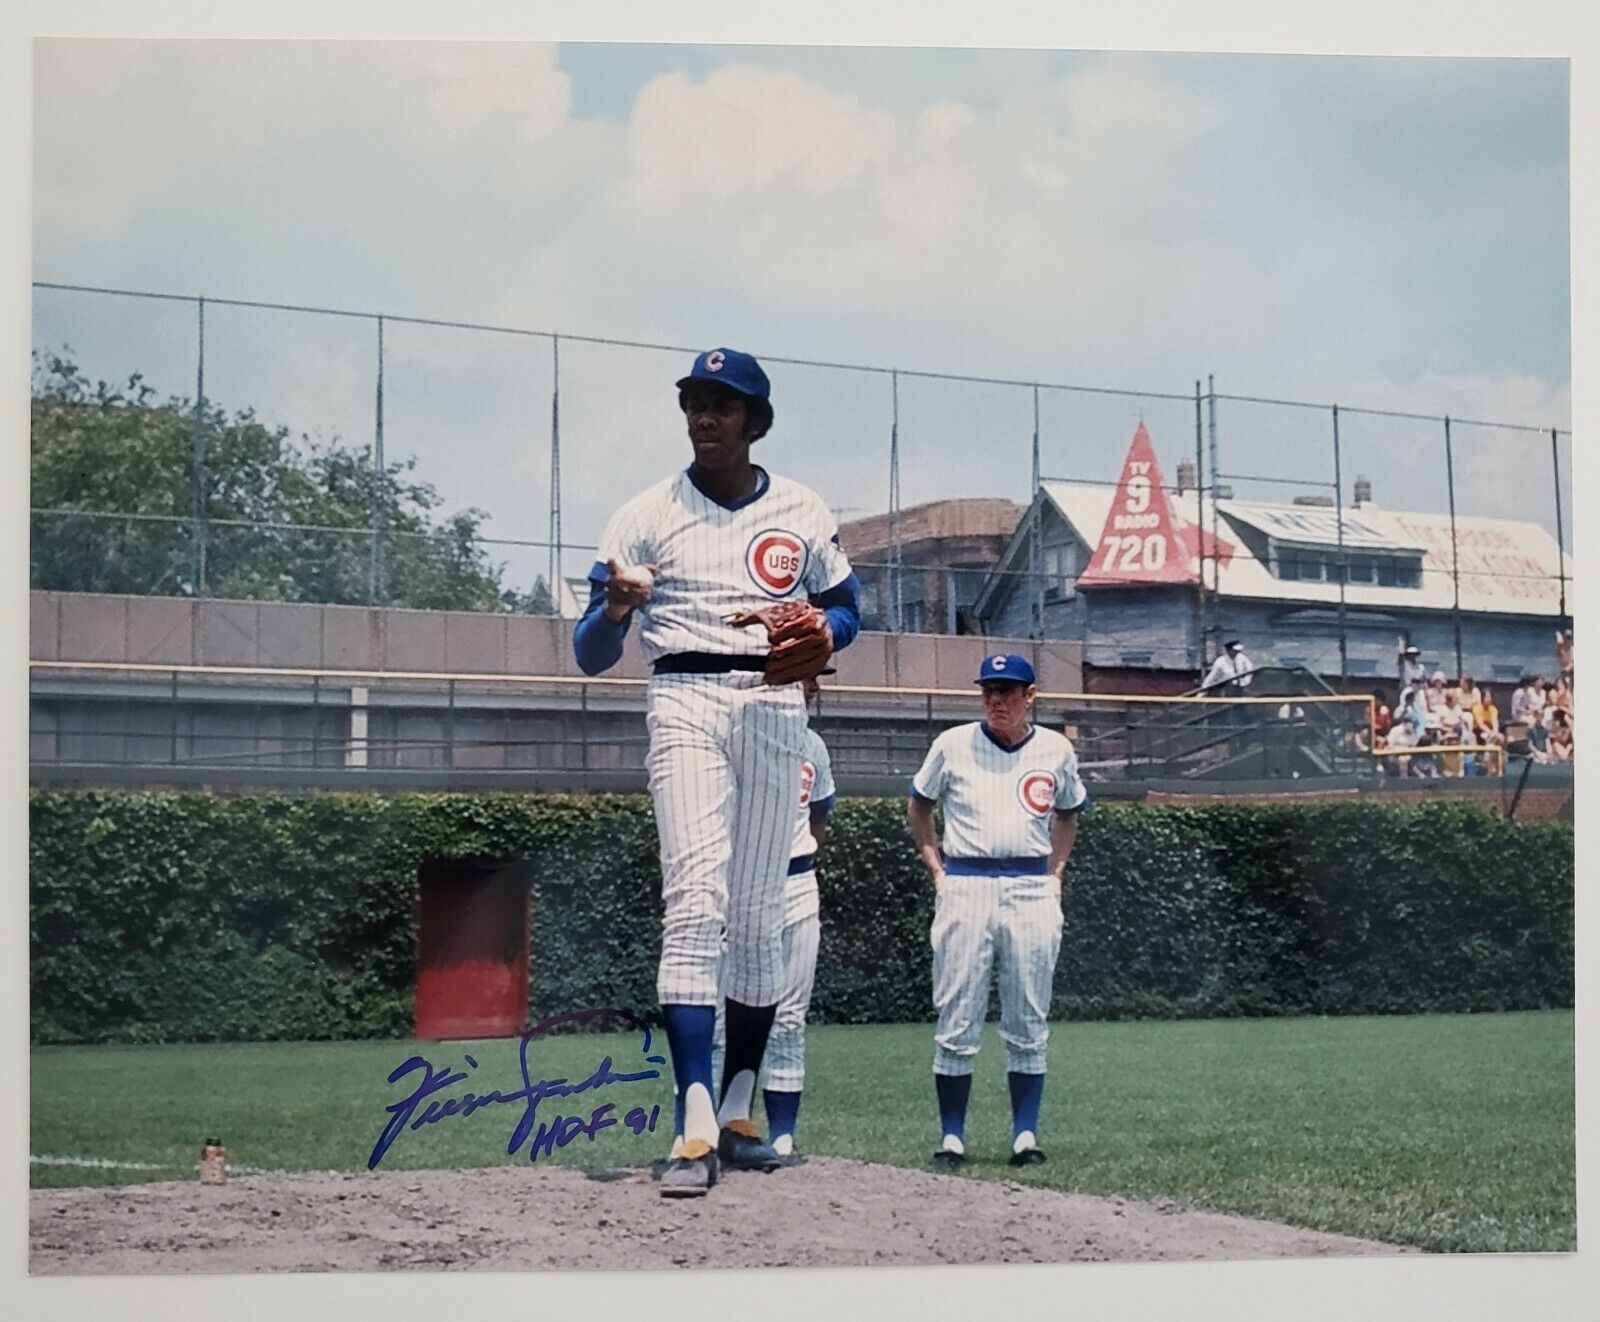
pixel 544 433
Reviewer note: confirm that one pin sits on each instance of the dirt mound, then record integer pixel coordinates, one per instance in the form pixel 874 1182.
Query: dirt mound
pixel 826 1212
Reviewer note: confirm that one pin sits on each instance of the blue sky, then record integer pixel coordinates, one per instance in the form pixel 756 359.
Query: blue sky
pixel 1389 232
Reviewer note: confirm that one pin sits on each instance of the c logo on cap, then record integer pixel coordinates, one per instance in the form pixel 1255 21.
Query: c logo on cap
pixel 776 560
pixel 999 663
pixel 714 360
pixel 1037 790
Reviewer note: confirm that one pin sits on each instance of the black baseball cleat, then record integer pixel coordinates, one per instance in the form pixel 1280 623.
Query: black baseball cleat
pixel 790 1158
pixel 946 1160
pixel 741 1148
pixel 689 1177
pixel 1028 1157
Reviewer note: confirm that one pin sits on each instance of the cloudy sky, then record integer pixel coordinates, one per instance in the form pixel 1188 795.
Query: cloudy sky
pixel 1381 232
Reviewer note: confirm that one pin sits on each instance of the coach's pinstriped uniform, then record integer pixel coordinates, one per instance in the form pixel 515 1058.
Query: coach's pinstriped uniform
pixel 725 749
pixel 999 903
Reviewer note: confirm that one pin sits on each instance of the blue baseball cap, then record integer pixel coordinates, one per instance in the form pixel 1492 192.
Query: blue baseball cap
pixel 1006 666
pixel 728 367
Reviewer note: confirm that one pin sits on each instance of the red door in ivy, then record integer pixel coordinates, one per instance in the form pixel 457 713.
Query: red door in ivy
pixel 472 948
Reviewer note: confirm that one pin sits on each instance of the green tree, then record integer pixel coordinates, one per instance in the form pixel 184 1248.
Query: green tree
pixel 100 451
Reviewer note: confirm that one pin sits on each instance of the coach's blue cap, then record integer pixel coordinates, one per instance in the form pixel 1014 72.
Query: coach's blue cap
pixel 728 367
pixel 1007 666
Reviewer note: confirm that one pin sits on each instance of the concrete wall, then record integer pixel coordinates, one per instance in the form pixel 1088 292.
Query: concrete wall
pixel 68 626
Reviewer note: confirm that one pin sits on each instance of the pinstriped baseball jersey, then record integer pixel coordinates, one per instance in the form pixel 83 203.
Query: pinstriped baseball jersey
pixel 711 561
pixel 998 801
pixel 816 786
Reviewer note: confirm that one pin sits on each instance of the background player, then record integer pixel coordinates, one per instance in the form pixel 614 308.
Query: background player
pixel 716 542
pixel 1011 795
pixel 784 1068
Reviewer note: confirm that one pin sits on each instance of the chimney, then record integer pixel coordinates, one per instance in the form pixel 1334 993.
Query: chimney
pixel 1187 481
pixel 1320 501
pixel 1363 489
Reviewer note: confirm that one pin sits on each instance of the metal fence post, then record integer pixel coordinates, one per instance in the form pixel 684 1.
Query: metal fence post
pixel 1561 550
pixel 173 700
pixel 1455 557
pixel 894 507
pixel 1344 568
pixel 555 476
pixel 1201 634
pixel 1217 626
pixel 1036 520
pixel 198 440
pixel 375 585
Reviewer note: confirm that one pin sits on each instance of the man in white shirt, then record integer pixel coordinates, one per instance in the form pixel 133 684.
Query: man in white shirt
pixel 1230 672
pixel 1412 671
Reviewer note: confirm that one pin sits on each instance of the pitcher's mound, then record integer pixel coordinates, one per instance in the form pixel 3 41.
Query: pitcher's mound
pixel 828 1212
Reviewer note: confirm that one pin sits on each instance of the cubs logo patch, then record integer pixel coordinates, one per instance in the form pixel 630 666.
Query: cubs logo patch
pixel 808 778
pixel 1037 790
pixel 715 360
pixel 776 561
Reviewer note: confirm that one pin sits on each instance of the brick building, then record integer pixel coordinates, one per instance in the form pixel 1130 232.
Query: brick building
pixel 948 549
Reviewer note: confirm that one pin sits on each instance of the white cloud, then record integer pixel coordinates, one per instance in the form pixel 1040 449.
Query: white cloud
pixel 819 196
pixel 119 126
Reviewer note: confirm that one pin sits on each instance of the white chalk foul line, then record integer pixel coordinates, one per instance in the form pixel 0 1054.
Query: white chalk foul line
pixel 105 1164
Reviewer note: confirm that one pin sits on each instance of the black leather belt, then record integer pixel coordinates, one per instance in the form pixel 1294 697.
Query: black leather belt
pixel 706 663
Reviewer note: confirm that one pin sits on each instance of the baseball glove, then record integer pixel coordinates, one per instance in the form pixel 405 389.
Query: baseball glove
pixel 802 642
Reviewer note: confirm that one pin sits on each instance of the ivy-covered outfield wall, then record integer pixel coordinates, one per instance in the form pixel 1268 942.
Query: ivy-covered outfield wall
pixel 187 917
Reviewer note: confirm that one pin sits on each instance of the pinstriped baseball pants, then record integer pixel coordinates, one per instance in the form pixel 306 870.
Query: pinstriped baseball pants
pixel 979 923
pixel 724 763
pixel 783 1068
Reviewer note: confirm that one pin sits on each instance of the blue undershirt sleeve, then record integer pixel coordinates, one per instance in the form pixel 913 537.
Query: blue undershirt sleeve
pixel 842 605
pixel 597 638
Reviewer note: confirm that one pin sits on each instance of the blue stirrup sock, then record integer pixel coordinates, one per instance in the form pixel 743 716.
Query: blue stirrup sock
pixel 1027 1090
pixel 783 1109
pixel 689 1029
pixel 953 1091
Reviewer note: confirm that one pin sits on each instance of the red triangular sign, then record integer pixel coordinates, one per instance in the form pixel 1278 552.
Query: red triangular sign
pixel 1139 543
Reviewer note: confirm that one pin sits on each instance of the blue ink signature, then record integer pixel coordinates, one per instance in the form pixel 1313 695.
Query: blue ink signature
pixel 550 1134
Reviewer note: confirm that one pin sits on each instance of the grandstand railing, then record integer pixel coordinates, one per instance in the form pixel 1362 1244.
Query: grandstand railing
pixel 157 715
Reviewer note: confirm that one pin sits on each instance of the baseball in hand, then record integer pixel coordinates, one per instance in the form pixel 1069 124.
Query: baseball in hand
pixel 630 587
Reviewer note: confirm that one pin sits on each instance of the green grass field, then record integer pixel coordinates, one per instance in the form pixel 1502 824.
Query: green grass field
pixel 1451 1133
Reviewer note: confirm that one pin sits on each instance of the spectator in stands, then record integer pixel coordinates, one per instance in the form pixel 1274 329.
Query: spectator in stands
pixel 1487 732
pixel 1467 693
pixel 1410 729
pixel 1558 747
pixel 1561 693
pixel 1411 669
pixel 1230 672
pixel 1455 727
pixel 1382 721
pixel 1539 737
pixel 1527 701
pixel 1433 696
pixel 1564 652
pixel 1551 700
